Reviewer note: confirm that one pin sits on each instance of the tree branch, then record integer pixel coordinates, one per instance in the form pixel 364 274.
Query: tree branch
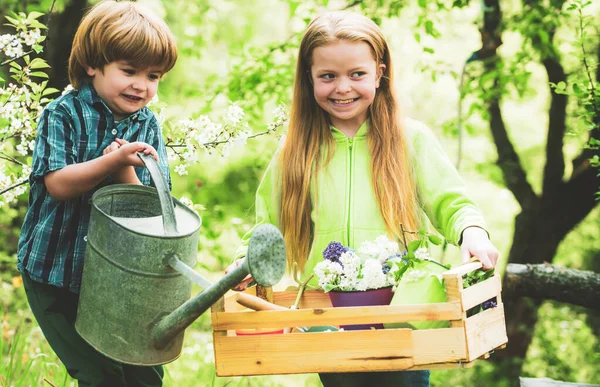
pixel 13 186
pixel 547 281
pixel 508 160
pixel 555 161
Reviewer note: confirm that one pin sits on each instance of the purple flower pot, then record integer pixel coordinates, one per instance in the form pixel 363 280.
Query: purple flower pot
pixel 370 297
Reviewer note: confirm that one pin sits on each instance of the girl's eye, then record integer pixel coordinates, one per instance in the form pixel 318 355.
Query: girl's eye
pixel 327 76
pixel 357 74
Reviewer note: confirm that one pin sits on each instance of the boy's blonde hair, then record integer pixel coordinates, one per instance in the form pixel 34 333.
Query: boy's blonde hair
pixel 310 143
pixel 114 31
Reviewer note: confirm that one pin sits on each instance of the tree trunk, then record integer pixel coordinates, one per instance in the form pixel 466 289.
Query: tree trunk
pixel 61 31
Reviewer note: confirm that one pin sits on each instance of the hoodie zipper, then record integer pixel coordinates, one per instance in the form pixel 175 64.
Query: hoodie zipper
pixel 350 143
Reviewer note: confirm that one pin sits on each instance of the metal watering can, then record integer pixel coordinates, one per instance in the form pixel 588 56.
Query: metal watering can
pixel 135 294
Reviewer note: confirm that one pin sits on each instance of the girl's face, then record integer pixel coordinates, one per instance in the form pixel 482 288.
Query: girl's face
pixel 345 76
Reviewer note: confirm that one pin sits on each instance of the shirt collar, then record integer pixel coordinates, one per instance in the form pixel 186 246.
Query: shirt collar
pixel 361 133
pixel 88 94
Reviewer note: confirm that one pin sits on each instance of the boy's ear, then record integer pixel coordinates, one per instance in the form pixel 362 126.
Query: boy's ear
pixel 91 71
pixel 380 71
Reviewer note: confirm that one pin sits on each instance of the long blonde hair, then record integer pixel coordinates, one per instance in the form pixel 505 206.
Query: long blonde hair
pixel 310 144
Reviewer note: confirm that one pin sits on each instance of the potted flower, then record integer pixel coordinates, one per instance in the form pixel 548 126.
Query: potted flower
pixel 358 277
pixel 378 273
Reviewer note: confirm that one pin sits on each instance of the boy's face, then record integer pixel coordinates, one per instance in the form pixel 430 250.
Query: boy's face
pixel 125 89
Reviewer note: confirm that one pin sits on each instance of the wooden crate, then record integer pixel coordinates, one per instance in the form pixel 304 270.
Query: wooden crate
pixel 458 346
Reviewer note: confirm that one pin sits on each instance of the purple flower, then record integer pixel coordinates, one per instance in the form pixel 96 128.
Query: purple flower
pixel 334 251
pixel 489 304
pixel 385 268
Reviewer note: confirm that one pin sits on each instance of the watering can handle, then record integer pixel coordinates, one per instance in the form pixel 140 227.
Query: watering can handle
pixel 166 203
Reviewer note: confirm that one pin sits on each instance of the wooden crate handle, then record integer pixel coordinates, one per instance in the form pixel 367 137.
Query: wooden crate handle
pixel 463 269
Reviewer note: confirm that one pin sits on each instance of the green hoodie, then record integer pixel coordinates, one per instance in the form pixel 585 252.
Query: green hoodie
pixel 347 210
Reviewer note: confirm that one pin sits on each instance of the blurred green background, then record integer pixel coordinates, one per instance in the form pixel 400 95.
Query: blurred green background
pixel 524 162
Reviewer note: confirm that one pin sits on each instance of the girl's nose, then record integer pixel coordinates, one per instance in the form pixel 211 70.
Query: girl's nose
pixel 343 85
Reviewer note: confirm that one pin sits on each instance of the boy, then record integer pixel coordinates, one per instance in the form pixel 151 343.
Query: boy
pixel 88 138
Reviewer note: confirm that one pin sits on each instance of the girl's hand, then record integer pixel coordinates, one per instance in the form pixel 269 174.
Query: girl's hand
pixel 246 281
pixel 475 243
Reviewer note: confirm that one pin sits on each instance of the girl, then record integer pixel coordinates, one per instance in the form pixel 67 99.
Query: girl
pixel 351 168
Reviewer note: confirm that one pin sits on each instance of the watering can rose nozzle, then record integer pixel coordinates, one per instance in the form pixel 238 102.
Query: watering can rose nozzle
pixel 265 261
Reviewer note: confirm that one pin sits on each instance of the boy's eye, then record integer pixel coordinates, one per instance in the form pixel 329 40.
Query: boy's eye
pixel 154 77
pixel 129 71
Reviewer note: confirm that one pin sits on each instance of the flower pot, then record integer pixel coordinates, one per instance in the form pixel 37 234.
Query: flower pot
pixel 370 297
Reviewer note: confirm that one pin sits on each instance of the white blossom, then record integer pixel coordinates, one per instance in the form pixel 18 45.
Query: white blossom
pixel 422 253
pixel 186 201
pixel 181 169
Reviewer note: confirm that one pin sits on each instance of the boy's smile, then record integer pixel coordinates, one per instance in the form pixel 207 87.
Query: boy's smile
pixel 345 77
pixel 124 88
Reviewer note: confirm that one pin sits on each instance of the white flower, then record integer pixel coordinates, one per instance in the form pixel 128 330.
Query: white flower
pixel 234 114
pixel 328 273
pixel 422 253
pixel 187 202
pixel 181 169
pixel 380 249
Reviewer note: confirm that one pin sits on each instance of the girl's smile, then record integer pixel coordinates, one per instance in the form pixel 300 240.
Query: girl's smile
pixel 345 78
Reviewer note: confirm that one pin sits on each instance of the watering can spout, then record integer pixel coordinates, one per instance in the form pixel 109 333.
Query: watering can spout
pixel 265 261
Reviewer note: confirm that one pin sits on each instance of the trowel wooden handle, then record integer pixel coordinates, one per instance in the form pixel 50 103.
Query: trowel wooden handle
pixel 256 303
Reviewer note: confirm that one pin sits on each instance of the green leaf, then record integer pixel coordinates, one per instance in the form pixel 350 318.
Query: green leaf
pixel 428 50
pixel 12 21
pixel 38 63
pixel 15 65
pixel 414 245
pixel 293 6
pixel 436 240
pixel 39 74
pixel 34 15
pixel 50 90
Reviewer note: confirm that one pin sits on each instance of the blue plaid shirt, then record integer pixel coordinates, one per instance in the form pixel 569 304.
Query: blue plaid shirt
pixel 74 128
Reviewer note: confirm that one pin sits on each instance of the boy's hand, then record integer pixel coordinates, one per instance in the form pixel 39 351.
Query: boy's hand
pixel 475 243
pixel 126 174
pixel 127 151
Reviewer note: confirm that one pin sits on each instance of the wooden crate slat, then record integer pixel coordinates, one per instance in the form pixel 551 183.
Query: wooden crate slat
pixel 375 350
pixel 485 331
pixel 483 291
pixel 439 345
pixel 336 316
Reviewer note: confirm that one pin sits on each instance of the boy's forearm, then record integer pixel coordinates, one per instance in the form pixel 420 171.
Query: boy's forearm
pixel 76 179
pixel 127 175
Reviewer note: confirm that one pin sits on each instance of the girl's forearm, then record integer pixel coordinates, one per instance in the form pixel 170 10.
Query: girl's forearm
pixel 76 179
